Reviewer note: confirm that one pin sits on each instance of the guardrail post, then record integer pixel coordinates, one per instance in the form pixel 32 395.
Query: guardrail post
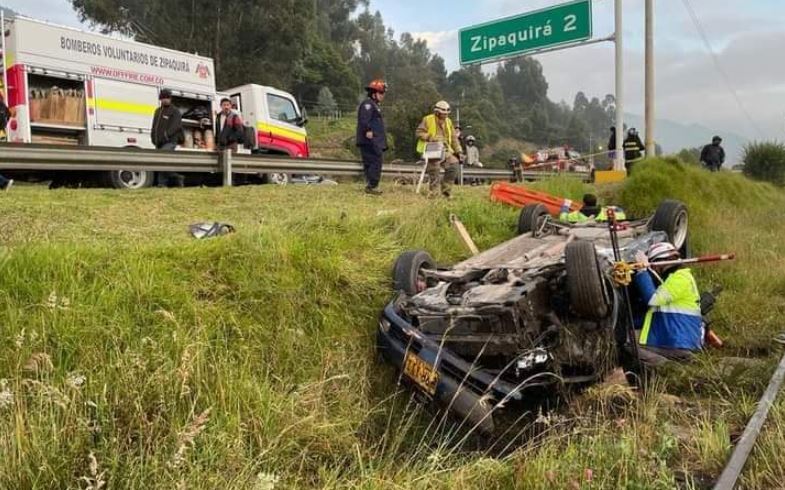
pixel 226 167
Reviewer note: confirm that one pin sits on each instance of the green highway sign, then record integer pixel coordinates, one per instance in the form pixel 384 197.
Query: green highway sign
pixel 546 28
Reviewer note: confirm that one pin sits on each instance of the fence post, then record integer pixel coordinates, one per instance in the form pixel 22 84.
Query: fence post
pixel 226 166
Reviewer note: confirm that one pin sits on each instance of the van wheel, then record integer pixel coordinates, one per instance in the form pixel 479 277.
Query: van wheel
pixel 129 179
pixel 588 297
pixel 407 271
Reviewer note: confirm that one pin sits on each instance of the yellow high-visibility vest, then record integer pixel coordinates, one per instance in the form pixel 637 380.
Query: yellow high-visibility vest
pixel 432 127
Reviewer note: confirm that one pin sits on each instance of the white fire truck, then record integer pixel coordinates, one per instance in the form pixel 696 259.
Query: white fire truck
pixel 70 87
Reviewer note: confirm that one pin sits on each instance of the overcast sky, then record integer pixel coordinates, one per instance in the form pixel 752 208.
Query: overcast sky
pixel 747 35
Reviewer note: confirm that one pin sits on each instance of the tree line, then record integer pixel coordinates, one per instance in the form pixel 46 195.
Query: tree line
pixel 324 51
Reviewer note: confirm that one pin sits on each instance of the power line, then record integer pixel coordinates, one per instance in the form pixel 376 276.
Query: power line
pixel 716 60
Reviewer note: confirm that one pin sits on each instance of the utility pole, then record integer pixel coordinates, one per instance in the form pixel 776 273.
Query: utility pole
pixel 619 38
pixel 650 143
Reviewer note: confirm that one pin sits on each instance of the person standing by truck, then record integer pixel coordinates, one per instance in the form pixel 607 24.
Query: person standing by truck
pixel 229 129
pixel 371 135
pixel 167 133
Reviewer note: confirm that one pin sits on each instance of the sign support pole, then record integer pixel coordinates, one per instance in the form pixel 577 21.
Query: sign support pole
pixel 619 38
pixel 650 109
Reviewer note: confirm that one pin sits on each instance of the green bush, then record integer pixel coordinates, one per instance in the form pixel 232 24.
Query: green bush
pixel 765 161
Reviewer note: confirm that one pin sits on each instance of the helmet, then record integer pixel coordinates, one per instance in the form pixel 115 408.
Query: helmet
pixel 470 138
pixel 716 138
pixel 662 251
pixel 441 107
pixel 632 131
pixel 165 94
pixel 377 85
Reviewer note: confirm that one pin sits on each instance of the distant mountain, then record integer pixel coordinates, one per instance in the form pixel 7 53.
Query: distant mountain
pixel 673 136
pixel 8 12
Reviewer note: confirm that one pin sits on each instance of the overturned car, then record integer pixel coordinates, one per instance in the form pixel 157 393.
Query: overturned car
pixel 531 318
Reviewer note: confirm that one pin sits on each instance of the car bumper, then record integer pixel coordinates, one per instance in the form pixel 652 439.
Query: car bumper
pixel 466 391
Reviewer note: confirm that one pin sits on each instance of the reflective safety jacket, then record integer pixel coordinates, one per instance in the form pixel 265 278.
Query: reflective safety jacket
pixel 429 128
pixel 674 317
pixel 579 217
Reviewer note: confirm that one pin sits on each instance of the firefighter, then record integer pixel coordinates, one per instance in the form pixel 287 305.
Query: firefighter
pixel 439 127
pixel 673 325
pixel 472 152
pixel 713 155
pixel 633 149
pixel 166 134
pixel 229 129
pixel 517 169
pixel 371 135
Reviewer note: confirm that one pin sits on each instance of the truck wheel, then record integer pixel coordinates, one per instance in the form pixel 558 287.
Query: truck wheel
pixel 128 179
pixel 407 271
pixel 672 218
pixel 584 281
pixel 531 218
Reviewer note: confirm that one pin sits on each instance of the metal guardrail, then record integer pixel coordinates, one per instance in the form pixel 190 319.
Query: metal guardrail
pixel 34 157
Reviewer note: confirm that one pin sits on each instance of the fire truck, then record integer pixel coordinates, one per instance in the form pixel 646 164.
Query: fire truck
pixel 65 86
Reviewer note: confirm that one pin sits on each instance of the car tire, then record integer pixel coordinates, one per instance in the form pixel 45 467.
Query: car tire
pixel 129 179
pixel 276 178
pixel 672 218
pixel 588 297
pixel 406 271
pixel 529 219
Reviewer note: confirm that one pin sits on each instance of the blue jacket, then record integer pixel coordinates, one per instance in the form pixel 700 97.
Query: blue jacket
pixel 369 118
pixel 673 319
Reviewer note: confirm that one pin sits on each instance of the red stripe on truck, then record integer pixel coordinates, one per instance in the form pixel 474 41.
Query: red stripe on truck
pixel 17 88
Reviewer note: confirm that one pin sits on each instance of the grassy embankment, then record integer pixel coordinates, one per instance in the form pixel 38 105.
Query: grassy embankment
pixel 135 355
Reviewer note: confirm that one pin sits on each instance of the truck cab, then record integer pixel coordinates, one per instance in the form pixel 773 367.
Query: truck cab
pixel 275 118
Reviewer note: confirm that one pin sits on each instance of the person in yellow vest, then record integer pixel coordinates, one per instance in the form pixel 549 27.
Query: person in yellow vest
pixel 589 210
pixel 438 127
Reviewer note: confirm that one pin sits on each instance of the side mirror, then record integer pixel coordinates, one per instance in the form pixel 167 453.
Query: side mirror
pixel 301 121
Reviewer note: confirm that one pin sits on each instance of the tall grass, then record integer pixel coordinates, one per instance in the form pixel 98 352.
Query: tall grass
pixel 133 356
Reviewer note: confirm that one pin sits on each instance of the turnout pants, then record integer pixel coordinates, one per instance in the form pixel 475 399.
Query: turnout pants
pixel 436 181
pixel 372 165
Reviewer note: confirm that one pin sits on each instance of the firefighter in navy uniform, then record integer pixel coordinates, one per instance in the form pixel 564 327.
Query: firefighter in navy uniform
pixel 633 149
pixel 371 136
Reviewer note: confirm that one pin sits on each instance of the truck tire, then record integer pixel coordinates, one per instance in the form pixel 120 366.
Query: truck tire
pixel 406 271
pixel 588 298
pixel 672 218
pixel 530 218
pixel 128 179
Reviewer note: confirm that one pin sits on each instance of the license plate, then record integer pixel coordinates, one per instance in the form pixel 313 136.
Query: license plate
pixel 421 373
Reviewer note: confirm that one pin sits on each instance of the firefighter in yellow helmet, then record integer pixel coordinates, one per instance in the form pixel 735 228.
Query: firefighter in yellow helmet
pixel 439 127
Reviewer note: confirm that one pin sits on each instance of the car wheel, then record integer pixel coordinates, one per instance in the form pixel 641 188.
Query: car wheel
pixel 672 218
pixel 130 179
pixel 277 178
pixel 531 218
pixel 407 272
pixel 588 297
